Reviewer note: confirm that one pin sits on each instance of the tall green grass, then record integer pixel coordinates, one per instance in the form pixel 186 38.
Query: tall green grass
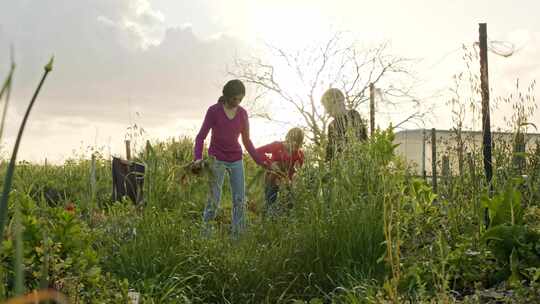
pixel 333 234
pixel 330 246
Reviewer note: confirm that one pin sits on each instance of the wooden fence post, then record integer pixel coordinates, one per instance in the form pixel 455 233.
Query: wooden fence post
pixel 460 149
pixel 446 171
pixel 128 149
pixel 486 124
pixel 424 155
pixel 372 108
pixel 434 159
pixel 519 151
pixel 147 149
pixel 472 168
pixel 93 179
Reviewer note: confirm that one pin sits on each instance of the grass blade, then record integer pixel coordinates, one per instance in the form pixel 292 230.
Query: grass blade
pixel 7 82
pixel 11 168
pixel 6 88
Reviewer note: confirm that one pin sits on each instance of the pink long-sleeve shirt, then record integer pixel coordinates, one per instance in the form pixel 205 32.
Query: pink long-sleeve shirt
pixel 224 143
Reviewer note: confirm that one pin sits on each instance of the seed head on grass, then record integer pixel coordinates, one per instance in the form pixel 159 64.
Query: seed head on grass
pixel 49 65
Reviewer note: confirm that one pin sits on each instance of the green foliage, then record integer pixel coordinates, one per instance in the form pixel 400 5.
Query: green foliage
pixel 516 248
pixel 505 208
pixel 329 248
pixel 470 266
pixel 332 234
pixel 58 253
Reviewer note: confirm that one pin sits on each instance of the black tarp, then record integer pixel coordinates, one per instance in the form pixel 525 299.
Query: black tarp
pixel 128 180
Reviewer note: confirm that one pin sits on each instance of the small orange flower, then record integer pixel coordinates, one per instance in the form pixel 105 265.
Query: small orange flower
pixel 70 207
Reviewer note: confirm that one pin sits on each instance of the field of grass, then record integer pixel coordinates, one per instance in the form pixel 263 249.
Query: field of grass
pixel 362 230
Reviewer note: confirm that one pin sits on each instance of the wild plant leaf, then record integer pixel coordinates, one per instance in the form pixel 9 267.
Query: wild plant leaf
pixel 514 247
pixel 504 208
pixel 514 279
pixel 503 238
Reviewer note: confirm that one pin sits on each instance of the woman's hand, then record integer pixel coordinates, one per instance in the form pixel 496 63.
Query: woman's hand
pixel 275 173
pixel 274 167
pixel 196 166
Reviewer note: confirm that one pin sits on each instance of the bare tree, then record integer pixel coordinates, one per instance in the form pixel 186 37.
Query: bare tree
pixel 299 77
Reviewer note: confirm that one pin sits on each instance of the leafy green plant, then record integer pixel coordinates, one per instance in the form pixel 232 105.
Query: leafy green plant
pixel 505 208
pixel 514 245
pixel 57 249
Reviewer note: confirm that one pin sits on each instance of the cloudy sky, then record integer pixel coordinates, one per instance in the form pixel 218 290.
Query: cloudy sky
pixel 161 63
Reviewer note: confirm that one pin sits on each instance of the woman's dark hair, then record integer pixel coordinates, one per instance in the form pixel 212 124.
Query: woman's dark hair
pixel 232 88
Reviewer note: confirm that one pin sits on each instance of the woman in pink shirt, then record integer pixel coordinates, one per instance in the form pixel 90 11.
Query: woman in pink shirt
pixel 227 120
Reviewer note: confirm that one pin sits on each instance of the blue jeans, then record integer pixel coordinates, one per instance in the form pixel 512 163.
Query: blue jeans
pixel 236 177
pixel 270 194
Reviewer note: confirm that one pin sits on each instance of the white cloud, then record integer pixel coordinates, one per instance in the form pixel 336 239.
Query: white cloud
pixel 112 58
pixel 167 58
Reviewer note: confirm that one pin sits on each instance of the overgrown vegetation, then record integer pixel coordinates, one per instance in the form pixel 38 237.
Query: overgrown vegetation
pixel 361 229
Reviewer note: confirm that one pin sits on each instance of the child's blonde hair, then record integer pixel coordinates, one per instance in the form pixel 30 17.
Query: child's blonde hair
pixel 295 135
pixel 332 96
